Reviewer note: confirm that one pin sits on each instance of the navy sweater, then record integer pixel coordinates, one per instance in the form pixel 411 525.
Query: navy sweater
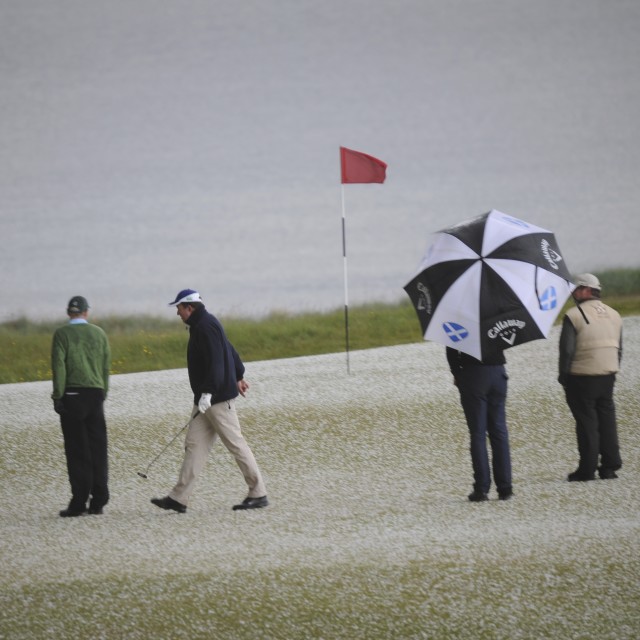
pixel 214 365
pixel 459 360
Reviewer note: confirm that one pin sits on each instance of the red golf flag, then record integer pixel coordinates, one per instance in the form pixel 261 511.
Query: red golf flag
pixel 361 168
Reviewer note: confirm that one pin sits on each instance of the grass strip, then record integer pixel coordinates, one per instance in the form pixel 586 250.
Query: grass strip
pixel 145 343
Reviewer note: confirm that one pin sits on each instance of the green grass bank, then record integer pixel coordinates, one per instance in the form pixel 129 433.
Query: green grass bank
pixel 143 343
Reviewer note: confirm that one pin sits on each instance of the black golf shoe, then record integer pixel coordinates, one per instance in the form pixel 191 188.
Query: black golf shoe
pixel 169 504
pixel 579 477
pixel 72 513
pixel 252 503
pixel 478 496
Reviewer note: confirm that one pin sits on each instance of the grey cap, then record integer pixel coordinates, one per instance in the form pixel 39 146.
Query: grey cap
pixel 588 280
pixel 77 304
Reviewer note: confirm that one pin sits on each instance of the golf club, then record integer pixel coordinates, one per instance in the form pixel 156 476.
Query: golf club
pixel 145 474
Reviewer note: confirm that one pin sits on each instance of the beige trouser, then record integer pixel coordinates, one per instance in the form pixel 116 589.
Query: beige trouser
pixel 220 420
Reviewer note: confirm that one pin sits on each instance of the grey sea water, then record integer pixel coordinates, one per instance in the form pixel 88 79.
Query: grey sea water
pixel 150 146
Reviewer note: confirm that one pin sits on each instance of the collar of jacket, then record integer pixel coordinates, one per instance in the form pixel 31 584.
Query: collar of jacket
pixel 194 318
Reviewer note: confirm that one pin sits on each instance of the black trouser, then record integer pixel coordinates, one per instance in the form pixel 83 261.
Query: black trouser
pixel 85 444
pixel 483 393
pixel 590 399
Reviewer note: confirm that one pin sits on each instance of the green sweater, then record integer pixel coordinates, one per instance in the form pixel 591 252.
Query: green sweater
pixel 80 357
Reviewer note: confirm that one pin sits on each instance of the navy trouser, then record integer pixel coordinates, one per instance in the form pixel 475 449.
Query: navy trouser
pixel 483 394
pixel 85 444
pixel 590 399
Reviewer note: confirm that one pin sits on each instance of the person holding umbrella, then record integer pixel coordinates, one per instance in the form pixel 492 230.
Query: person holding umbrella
pixel 216 377
pixel 590 355
pixel 485 285
pixel 483 393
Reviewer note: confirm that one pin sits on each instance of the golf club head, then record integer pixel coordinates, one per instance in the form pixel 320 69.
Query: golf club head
pixel 142 475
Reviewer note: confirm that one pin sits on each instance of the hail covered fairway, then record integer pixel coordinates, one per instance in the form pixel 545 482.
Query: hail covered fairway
pixel 369 533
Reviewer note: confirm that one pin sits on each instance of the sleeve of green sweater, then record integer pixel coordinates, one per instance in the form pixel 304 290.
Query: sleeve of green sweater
pixel 58 364
pixel 106 364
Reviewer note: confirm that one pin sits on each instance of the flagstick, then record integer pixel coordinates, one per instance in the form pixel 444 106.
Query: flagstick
pixel 346 295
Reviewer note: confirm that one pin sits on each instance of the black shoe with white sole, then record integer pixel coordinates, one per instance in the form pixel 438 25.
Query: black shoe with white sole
pixel 252 503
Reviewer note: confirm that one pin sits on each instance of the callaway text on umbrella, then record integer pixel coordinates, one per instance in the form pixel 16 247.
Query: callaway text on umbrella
pixel 488 284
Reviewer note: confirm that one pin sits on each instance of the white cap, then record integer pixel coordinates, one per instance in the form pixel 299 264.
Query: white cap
pixel 185 296
pixel 588 280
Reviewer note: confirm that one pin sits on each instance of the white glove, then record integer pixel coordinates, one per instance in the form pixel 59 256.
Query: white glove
pixel 205 402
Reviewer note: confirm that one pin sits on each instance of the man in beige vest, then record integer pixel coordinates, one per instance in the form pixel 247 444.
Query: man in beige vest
pixel 590 355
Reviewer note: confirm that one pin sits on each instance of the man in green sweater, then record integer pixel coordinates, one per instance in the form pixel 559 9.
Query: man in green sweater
pixel 80 362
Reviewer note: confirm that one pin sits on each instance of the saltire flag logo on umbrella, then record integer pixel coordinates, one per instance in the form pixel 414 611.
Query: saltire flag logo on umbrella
pixel 490 283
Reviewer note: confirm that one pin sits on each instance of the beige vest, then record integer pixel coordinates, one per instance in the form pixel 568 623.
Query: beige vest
pixel 597 343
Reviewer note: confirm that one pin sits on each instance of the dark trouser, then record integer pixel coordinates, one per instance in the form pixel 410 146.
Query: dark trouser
pixel 590 399
pixel 85 444
pixel 483 393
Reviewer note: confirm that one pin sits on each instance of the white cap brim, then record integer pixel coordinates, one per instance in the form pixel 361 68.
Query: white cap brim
pixel 192 297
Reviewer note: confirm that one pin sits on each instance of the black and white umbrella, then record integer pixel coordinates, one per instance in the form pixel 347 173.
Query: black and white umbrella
pixel 490 283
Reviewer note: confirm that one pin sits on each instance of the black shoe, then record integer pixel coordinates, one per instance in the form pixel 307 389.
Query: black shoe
pixel 579 477
pixel 505 495
pixel 252 503
pixel 607 474
pixel 95 511
pixel 72 513
pixel 169 503
pixel 478 496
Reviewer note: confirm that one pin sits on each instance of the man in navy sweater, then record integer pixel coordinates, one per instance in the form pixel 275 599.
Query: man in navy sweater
pixel 216 377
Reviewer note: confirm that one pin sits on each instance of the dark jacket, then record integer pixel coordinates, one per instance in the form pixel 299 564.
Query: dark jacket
pixel 459 360
pixel 214 365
